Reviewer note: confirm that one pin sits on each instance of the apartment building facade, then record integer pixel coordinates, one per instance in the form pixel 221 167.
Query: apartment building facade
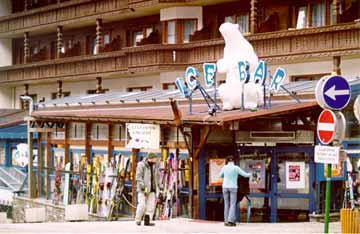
pixel 56 48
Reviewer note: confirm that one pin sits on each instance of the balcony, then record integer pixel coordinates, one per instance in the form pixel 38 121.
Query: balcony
pixel 274 47
pixel 77 13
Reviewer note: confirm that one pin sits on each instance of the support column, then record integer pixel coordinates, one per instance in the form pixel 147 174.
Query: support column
pixel 31 176
pixel 133 179
pixel 253 16
pixel 99 85
pixel 59 42
pixel 336 65
pixel 99 41
pixel 110 142
pixel 48 152
pixel 66 143
pixel 59 91
pixel 26 48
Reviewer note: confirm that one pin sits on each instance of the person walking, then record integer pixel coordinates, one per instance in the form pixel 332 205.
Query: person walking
pixel 230 174
pixel 147 185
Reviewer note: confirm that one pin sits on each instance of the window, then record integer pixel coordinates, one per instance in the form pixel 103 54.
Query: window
pixel 138 36
pixel 171 32
pixel 301 18
pixel 64 94
pixel 138 89
pixel 189 28
pixel 118 132
pixel 77 131
pixel 2 155
pixel 99 131
pixel 228 19
pixel 94 91
pixel 106 39
pixel 318 14
pixel 169 86
pixel 243 22
pixel 58 135
pixel 307 77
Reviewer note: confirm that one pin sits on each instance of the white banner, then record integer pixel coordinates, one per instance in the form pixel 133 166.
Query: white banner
pixel 327 154
pixel 143 136
pixel 295 175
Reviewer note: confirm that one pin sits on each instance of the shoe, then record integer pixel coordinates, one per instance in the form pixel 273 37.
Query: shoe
pixel 147 221
pixel 231 224
pixel 138 223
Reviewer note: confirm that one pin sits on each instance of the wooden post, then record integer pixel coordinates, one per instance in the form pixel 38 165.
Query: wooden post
pixel 99 85
pixel 336 65
pixel 66 143
pixel 59 91
pixel 133 173
pixel 59 43
pixel 31 178
pixel 40 164
pixel 87 141
pixel 47 181
pixel 110 142
pixel 336 11
pixel 195 173
pixel 26 48
pixel 99 42
pixel 253 16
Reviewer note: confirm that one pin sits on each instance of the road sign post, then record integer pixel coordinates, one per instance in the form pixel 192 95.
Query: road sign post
pixel 331 92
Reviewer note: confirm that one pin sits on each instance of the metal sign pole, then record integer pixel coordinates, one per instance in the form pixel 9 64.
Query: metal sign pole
pixel 327 198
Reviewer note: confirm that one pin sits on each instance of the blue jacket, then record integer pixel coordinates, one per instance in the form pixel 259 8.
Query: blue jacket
pixel 230 174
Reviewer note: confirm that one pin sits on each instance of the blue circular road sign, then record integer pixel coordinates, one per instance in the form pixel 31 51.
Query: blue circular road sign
pixel 333 92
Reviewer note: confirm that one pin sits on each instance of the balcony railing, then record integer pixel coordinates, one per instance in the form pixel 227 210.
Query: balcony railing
pixel 274 47
pixel 59 14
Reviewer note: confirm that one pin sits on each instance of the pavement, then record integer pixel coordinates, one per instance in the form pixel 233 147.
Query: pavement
pixel 177 225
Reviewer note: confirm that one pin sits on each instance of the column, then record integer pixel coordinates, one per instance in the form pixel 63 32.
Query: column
pixel 26 48
pixel 336 11
pixel 59 42
pixel 99 42
pixel 99 85
pixel 59 90
pixel 336 65
pixel 253 16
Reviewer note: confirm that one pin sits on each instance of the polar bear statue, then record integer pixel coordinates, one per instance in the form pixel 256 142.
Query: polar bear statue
pixel 237 48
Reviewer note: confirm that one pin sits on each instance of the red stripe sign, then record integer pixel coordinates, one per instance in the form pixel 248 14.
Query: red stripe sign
pixel 326 126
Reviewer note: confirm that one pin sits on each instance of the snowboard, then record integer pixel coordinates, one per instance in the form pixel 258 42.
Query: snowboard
pixel 95 186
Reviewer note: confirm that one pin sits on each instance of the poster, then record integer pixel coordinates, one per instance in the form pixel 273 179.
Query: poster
pixel 295 175
pixel 257 170
pixel 143 136
pixel 215 166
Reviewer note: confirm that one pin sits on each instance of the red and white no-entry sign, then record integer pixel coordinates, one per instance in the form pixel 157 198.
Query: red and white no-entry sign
pixel 326 126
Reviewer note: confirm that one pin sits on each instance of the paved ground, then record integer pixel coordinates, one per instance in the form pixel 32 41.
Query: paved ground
pixel 173 226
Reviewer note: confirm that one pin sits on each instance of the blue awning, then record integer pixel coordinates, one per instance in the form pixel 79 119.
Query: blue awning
pixel 15 132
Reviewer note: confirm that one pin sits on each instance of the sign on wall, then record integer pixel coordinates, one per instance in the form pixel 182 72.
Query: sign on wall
pixel 295 175
pixel 215 166
pixel 327 154
pixel 143 136
pixel 257 170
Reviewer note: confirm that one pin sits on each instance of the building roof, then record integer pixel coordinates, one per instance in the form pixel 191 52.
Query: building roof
pixel 154 106
pixel 10 117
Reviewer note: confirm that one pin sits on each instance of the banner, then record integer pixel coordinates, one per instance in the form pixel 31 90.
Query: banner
pixel 215 166
pixel 143 136
pixel 295 175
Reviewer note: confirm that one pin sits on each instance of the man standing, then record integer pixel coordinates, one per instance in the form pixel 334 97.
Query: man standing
pixel 148 183
pixel 230 174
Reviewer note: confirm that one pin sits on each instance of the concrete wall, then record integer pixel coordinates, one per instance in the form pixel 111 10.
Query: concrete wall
pixel 6 52
pixel 5 7
pixel 186 12
pixel 6 97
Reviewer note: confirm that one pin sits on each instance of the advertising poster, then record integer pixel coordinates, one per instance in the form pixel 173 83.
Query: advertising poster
pixel 215 170
pixel 257 170
pixel 59 159
pixel 295 175
pixel 143 136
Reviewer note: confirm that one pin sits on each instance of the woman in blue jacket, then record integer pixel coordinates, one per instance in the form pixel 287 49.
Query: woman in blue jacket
pixel 230 174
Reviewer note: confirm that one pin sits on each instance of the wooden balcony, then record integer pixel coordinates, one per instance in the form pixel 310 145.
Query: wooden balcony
pixel 76 13
pixel 276 47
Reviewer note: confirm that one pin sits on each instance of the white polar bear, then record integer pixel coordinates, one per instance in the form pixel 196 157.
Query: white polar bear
pixel 237 48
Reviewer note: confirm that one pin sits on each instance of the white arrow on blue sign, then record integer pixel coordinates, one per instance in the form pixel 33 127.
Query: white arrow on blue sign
pixel 333 92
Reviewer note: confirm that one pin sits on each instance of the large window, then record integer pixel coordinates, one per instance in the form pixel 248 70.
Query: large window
pixel 77 131
pixel 313 14
pixel 318 14
pixel 189 28
pixel 243 22
pixel 171 32
pixel 99 132
pixel 140 34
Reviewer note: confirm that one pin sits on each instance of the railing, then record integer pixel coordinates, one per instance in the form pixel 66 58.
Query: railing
pixel 62 13
pixel 283 46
